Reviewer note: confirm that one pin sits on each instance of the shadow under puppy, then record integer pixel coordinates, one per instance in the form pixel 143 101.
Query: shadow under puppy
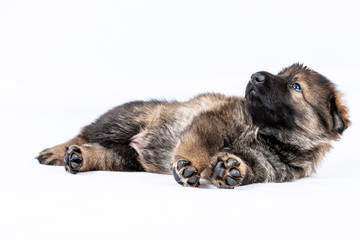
pixel 279 132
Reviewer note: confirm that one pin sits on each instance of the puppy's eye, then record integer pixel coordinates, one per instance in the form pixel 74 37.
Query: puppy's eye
pixel 295 86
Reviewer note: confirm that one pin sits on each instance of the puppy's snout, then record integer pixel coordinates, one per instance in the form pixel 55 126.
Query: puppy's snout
pixel 258 78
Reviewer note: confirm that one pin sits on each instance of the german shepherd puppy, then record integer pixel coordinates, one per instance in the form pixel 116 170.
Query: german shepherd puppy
pixel 279 132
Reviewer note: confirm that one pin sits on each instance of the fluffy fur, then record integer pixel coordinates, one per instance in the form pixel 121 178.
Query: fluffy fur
pixel 279 132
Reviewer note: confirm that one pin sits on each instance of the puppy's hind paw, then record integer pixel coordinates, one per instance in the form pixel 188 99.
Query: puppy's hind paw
pixel 73 159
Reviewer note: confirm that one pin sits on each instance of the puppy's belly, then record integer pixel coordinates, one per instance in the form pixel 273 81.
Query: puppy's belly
pixel 137 140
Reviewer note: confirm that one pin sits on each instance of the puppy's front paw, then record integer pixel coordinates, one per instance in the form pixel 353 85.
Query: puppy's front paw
pixel 186 174
pixel 229 171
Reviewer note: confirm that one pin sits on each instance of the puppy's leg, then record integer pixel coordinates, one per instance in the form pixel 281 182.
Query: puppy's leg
pixel 224 170
pixel 55 155
pixel 190 158
pixel 194 153
pixel 203 151
pixel 113 130
pixel 91 157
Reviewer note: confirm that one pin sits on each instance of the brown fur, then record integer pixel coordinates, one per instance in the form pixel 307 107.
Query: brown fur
pixel 276 134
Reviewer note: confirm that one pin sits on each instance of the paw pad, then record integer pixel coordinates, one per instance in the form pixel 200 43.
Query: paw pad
pixel 227 174
pixel 185 174
pixel 73 159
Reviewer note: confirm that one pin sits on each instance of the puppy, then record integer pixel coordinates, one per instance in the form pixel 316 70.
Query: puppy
pixel 279 132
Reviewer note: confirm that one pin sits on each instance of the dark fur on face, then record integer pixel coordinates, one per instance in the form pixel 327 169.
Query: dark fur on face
pixel 312 110
pixel 279 132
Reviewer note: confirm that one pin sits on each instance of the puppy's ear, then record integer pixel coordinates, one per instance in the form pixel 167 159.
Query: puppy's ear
pixel 339 113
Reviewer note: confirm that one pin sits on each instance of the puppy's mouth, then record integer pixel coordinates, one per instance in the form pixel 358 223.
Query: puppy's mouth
pixel 251 91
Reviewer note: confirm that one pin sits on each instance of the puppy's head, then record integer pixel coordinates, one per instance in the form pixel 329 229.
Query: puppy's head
pixel 298 104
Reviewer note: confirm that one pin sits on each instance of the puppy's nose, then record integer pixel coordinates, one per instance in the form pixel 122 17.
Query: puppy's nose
pixel 258 78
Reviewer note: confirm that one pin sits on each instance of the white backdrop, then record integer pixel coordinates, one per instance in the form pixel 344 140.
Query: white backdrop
pixel 63 63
